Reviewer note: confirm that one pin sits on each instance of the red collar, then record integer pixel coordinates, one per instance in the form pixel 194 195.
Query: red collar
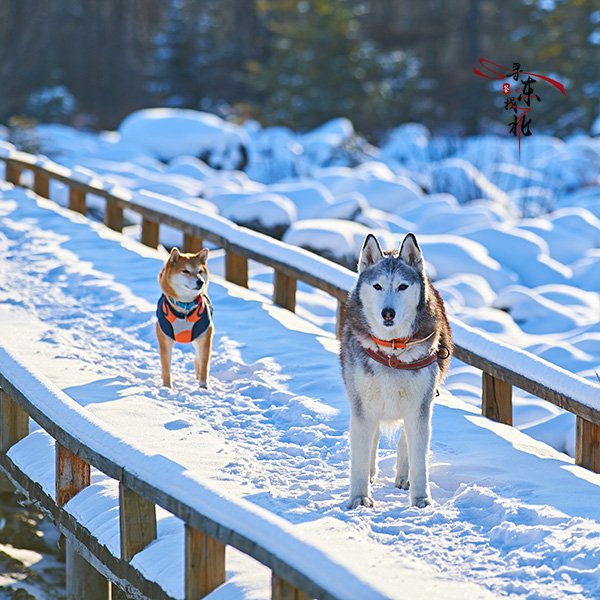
pixel 401 343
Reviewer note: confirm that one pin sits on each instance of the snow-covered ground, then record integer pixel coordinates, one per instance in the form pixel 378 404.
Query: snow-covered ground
pixel 514 247
pixel 513 517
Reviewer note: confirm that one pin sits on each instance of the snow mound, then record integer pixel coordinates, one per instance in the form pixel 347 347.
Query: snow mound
pixel 169 132
pixel 311 198
pixel 268 213
pixel 333 238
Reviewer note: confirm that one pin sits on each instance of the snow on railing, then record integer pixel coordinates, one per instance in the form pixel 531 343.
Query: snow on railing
pixel 212 521
pixel 503 366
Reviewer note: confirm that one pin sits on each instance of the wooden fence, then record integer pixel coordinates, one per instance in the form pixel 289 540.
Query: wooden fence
pixel 212 522
pixel 290 264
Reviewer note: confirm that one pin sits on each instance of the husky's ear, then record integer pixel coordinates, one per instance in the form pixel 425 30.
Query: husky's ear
pixel 370 254
pixel 202 256
pixel 410 252
pixel 174 256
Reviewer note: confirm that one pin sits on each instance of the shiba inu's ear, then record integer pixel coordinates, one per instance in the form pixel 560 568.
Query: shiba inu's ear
pixel 203 256
pixel 370 254
pixel 174 256
pixel 410 252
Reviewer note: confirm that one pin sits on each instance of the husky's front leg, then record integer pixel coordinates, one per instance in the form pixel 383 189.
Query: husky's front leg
pixel 418 429
pixel 362 438
pixel 402 461
pixel 373 472
pixel 203 344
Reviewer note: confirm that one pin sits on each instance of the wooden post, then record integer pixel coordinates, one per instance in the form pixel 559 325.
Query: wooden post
pixel 113 216
pixel 496 399
pixel 14 422
pixel 284 291
pixel 282 590
pixel 191 244
pixel 13 173
pixel 204 564
pixel 138 522
pixel 340 318
pixel 77 200
pixel 149 233
pixel 587 445
pixel 41 184
pixel 236 269
pixel 72 474
pixel 83 581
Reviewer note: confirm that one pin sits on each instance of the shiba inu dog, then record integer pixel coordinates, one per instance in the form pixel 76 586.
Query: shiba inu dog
pixel 184 311
pixel 395 350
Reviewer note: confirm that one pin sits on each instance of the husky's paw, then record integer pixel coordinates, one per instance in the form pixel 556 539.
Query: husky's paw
pixel 203 385
pixel 402 482
pixel 422 502
pixel 361 501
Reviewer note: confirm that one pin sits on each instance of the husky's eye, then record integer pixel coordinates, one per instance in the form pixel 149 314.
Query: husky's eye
pixel 402 287
pixel 377 287
pixel 186 272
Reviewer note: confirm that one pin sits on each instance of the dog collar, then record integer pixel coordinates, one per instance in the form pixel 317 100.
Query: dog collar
pixel 186 306
pixel 425 361
pixel 401 343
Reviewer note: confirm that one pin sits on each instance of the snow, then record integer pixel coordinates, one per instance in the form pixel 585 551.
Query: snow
pixel 502 264
pixel 167 133
pixel 513 516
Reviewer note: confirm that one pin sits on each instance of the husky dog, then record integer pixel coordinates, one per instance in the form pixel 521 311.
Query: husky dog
pixel 395 347
pixel 184 311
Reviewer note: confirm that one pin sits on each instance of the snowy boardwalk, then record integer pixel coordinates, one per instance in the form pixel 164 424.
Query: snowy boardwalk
pixel 512 517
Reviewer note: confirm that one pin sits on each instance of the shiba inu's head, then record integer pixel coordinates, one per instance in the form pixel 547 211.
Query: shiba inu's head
pixel 392 286
pixel 184 276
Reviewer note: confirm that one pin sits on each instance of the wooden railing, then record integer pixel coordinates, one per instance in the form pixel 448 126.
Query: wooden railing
pixel 292 264
pixel 212 522
pixel 502 366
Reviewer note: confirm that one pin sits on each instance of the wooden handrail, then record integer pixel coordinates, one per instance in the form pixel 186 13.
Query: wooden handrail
pixel 212 520
pixel 292 264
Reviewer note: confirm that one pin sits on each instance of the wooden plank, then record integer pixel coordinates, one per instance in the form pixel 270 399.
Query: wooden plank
pixel 41 184
pixel 587 445
pixel 13 173
pixel 284 291
pixel 84 543
pixel 236 269
pixel 526 384
pixel 14 422
pixel 282 590
pixel 496 399
pixel 191 243
pixel 150 231
pixel 72 474
pixel 137 518
pixel 204 564
pixel 340 318
pixel 83 581
pixel 113 216
pixel 77 200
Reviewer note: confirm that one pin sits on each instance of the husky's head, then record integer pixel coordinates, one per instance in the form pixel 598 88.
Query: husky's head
pixel 184 276
pixel 391 286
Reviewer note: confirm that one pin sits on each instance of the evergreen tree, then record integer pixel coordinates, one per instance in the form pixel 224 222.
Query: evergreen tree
pixel 320 66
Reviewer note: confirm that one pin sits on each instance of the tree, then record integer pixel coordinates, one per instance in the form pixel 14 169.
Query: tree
pixel 320 65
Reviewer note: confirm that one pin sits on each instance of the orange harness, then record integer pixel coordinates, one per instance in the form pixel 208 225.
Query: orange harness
pixel 182 327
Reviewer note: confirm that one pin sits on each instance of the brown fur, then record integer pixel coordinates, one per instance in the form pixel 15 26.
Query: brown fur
pixel 176 266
